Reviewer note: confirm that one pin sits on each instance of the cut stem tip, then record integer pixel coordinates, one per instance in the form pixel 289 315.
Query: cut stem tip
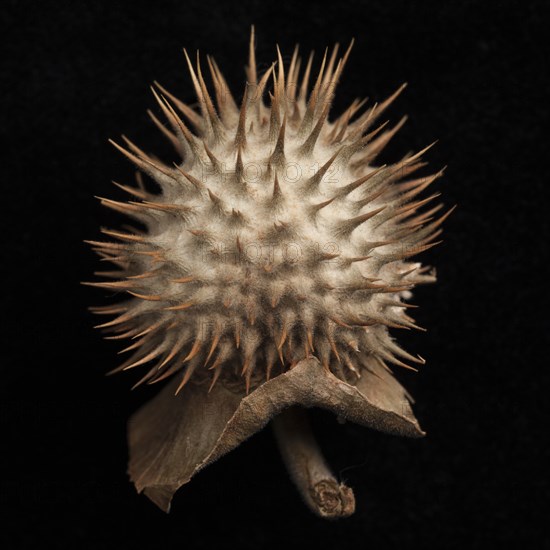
pixel 324 495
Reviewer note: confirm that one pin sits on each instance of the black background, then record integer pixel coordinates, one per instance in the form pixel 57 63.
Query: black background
pixel 76 73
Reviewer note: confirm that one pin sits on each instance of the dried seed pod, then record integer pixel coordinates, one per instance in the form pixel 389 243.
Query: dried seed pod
pixel 273 263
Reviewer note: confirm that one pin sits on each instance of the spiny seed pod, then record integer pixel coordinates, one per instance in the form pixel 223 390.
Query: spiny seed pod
pixel 265 274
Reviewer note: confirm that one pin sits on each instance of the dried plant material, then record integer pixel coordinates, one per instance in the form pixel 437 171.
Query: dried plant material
pixel 307 467
pixel 270 268
pixel 173 437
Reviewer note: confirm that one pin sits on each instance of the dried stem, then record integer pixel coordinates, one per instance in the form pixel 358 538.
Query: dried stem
pixel 307 467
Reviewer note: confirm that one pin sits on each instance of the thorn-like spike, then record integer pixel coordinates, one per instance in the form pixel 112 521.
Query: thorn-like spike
pixel 373 114
pixel 357 128
pixel 257 96
pixel 184 280
pixel 313 183
pixel 237 217
pixel 309 339
pixel 282 338
pixel 374 148
pixel 148 166
pixel 359 259
pixel 147 297
pixel 194 350
pixel 347 189
pixel 123 207
pixel 215 341
pixel 317 86
pixel 406 252
pixel 212 115
pixel 196 84
pixel 275 117
pixel 150 374
pixel 151 329
pixel 215 377
pixel 120 320
pixel 341 125
pixel 141 153
pixel 251 71
pixel 216 201
pixel 414 187
pixel 369 137
pixel 293 70
pixel 240 136
pixel 124 236
pixel 187 139
pixel 387 102
pixel 224 97
pixel 280 91
pixel 277 193
pixel 216 164
pixel 167 133
pixel 372 197
pixel 305 80
pixel 326 257
pixel 197 184
pixel 180 307
pixel 384 139
pixel 308 145
pixel 239 169
pixel 145 275
pixel 108 246
pixel 110 285
pixel 334 348
pixel 314 209
pixel 163 207
pixel 428 215
pixel 107 310
pixel 392 359
pixel 418 155
pixel 412 207
pixel 330 67
pixel 348 52
pixel 187 111
pixel 346 227
pixel 428 230
pixel 151 355
pixel 278 156
pixel 313 99
pixel 237 331
pixel 187 375
pixel 132 190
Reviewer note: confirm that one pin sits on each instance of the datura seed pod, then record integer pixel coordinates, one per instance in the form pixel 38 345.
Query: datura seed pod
pixel 264 274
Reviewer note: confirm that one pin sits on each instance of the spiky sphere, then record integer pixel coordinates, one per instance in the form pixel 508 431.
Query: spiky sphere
pixel 275 238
